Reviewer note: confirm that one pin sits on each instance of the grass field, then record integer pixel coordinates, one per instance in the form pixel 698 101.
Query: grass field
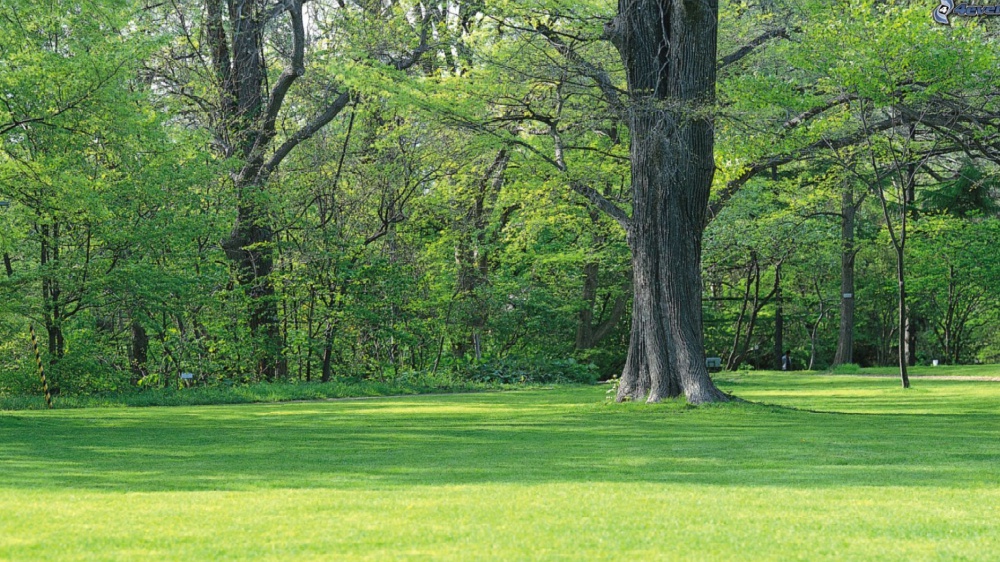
pixel 833 467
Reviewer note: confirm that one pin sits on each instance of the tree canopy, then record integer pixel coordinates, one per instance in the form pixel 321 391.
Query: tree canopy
pixel 493 190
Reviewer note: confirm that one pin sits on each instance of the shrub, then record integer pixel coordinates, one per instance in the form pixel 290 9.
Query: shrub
pixel 519 371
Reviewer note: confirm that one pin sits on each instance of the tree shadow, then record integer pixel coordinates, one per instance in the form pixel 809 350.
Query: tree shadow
pixel 526 438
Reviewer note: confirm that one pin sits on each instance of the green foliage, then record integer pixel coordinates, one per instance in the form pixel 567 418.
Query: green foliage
pixel 515 371
pixel 179 394
pixel 430 229
pixel 968 195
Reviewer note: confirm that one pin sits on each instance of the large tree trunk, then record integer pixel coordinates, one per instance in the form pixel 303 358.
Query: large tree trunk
pixel 669 51
pixel 250 248
pixel 845 341
pixel 634 382
pixel 245 131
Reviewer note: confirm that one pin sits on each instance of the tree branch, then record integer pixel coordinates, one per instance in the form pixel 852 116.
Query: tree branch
pixel 752 170
pixel 295 69
pixel 422 46
pixel 595 73
pixel 602 203
pixel 749 47
pixel 305 133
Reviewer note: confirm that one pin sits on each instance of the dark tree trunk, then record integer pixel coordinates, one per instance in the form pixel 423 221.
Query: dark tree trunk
pixel 250 248
pixel 585 321
pixel 327 369
pixel 845 340
pixel 588 335
pixel 471 254
pixel 138 351
pixel 911 341
pixel 51 291
pixel 669 51
pixel 902 331
pixel 779 320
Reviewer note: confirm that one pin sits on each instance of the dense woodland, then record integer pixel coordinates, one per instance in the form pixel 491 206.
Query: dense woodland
pixel 309 190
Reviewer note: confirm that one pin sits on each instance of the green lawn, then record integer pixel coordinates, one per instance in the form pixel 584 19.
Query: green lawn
pixel 836 468
pixel 941 370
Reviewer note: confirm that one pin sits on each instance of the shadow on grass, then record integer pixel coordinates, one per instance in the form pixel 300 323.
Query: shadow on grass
pixel 566 435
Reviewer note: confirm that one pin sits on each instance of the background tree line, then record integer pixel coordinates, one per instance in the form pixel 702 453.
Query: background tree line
pixel 260 190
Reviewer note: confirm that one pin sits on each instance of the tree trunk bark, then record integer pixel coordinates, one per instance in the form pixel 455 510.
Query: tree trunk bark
pixel 326 372
pixel 138 351
pixel 668 48
pixel 779 320
pixel 585 318
pixel 845 340
pixel 911 341
pixel 904 378
pixel 249 247
pixel 634 383
pixel 589 335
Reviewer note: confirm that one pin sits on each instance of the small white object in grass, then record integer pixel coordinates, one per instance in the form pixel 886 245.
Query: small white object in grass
pixel 187 375
pixel 934 362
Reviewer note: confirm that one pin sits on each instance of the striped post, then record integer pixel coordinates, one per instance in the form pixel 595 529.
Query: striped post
pixel 41 369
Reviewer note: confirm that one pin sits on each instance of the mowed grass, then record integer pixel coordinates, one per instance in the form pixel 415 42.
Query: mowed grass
pixel 832 467
pixel 940 370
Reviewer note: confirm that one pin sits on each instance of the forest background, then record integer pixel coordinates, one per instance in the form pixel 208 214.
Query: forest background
pixel 254 190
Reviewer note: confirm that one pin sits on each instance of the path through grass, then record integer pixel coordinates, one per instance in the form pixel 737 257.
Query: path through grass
pixel 871 472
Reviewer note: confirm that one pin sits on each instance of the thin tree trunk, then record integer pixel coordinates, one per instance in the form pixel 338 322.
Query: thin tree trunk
pixel 845 340
pixel 327 370
pixel 779 319
pixel 814 332
pixel 901 279
pixel 587 334
pixel 138 351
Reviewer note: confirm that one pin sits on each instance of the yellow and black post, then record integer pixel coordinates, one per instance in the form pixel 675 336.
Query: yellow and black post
pixel 41 369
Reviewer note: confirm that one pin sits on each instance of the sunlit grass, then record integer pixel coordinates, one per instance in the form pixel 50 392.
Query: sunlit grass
pixel 940 370
pixel 833 467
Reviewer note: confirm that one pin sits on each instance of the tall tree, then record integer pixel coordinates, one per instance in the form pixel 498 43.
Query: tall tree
pixel 848 252
pixel 243 39
pixel 669 53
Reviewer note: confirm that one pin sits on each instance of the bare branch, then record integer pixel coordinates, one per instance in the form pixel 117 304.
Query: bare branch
pixel 422 46
pixel 294 69
pixel 602 203
pixel 305 133
pixel 749 47
pixel 281 6
pixel 813 112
